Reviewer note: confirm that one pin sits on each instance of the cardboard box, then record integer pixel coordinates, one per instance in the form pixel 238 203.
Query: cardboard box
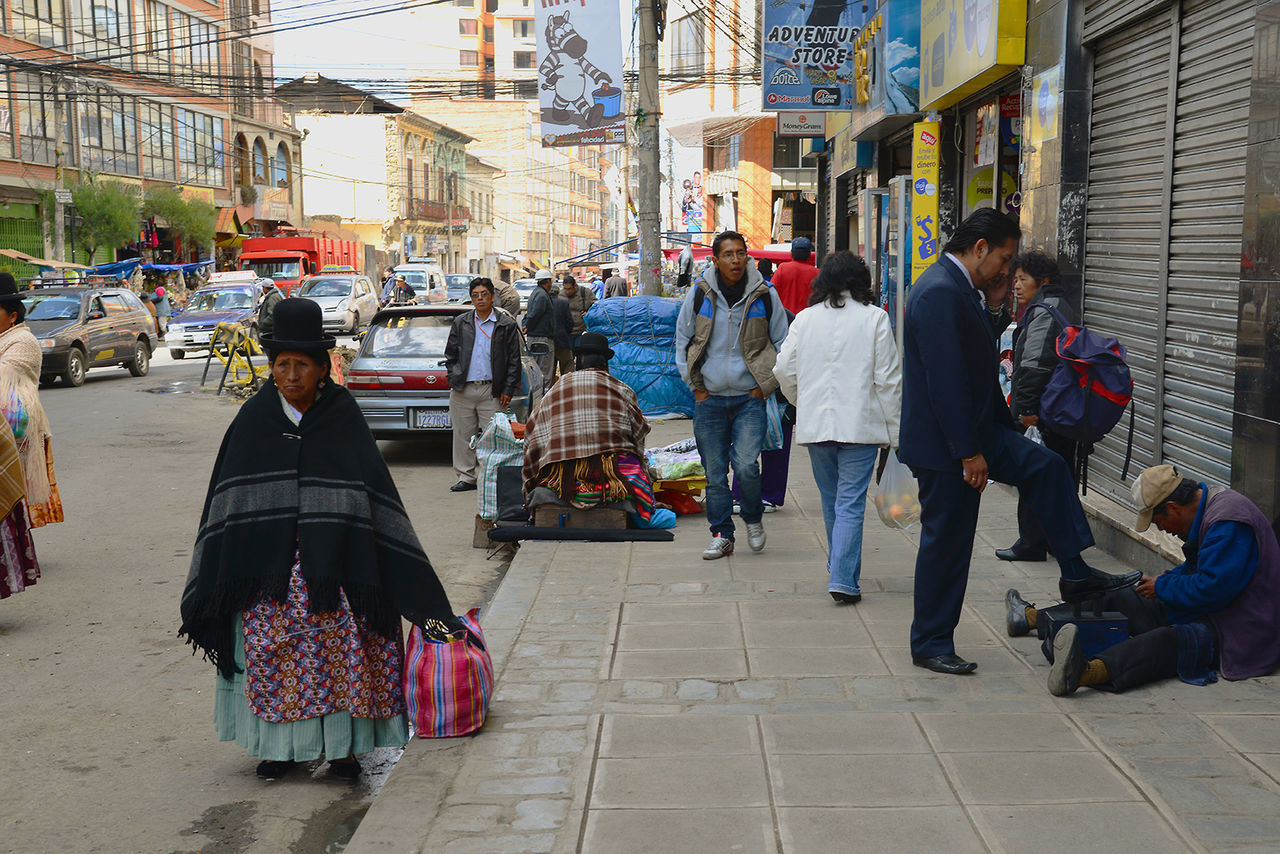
pixel 599 518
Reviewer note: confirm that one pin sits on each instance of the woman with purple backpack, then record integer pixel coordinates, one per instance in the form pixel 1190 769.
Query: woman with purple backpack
pixel 1037 281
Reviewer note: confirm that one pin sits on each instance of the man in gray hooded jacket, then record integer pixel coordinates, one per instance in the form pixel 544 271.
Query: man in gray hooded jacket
pixel 730 327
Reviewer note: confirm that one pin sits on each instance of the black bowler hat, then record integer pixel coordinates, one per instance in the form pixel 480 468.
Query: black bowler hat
pixel 9 298
pixel 299 325
pixel 593 344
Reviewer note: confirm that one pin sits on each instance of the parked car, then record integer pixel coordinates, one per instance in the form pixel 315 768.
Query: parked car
pixel 347 301
pixel 225 301
pixel 399 380
pixel 459 287
pixel 81 328
pixel 524 287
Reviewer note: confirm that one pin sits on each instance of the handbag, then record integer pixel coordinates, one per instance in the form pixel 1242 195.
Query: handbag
pixel 448 678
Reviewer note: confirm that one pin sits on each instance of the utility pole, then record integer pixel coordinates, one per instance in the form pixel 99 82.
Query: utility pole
pixel 647 118
pixel 449 191
pixel 59 226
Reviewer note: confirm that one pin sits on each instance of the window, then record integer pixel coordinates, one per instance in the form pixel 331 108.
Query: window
pixel 159 42
pixel 259 161
pixel 281 176
pixel 688 44
pixel 408 171
pixel 522 28
pixel 241 71
pixel 157 142
pixel 99 25
pixel 40 21
pixel 114 304
pixel 488 35
pixel 108 133
pixel 36 133
pixel 468 58
pixel 524 59
pixel 240 162
pixel 200 149
pixel 786 153
pixel 467 27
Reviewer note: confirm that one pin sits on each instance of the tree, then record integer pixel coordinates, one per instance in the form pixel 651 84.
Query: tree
pixel 109 214
pixel 191 222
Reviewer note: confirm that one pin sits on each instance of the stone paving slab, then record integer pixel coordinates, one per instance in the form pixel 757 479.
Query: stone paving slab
pixel 649 701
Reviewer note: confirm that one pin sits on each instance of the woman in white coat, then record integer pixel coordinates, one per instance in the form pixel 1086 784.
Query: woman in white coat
pixel 840 366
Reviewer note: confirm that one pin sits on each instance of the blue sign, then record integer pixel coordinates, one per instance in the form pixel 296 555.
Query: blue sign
pixel 808 53
pixel 887 69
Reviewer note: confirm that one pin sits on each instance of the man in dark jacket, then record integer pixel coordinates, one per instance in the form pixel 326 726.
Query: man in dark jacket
pixel 564 323
pixel 271 297
pixel 540 327
pixel 957 432
pixel 482 357
pixel 1038 283
pixel 1217 611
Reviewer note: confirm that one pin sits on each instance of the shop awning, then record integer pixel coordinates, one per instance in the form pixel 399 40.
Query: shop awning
pixel 228 222
pixel 46 263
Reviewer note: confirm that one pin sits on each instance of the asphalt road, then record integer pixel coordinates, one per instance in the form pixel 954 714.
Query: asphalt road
pixel 107 731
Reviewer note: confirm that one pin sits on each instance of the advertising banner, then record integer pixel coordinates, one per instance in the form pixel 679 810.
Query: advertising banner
pixel 1046 97
pixel 580 73
pixel 925 173
pixel 886 70
pixel 813 125
pixel 966 44
pixel 808 53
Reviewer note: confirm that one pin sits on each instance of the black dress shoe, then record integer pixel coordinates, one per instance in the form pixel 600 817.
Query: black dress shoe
pixel 1016 623
pixel 950 663
pixel 846 598
pixel 1018 551
pixel 462 486
pixel 1095 585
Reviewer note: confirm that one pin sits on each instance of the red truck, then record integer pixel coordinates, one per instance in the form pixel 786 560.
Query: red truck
pixel 290 260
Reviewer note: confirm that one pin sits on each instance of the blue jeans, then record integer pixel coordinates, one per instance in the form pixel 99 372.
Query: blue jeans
pixel 843 472
pixel 723 426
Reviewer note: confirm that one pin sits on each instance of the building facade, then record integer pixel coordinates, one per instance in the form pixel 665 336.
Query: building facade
pixel 484 246
pixel 147 93
pixel 473 49
pixel 394 177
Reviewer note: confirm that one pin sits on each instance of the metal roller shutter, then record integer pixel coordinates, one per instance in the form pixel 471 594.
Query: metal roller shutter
pixel 1206 223
pixel 1123 245
pixel 1103 16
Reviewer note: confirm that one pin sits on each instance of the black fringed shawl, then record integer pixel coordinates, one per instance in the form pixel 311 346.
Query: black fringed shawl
pixel 323 488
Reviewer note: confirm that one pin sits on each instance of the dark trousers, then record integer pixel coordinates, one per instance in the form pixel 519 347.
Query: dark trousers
pixel 949 521
pixel 1151 652
pixel 1030 534
pixel 774 468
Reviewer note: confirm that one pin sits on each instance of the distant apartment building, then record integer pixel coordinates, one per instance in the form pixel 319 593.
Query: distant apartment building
pixel 473 49
pixel 751 179
pixel 484 245
pixel 396 178
pixel 148 92
pixel 549 201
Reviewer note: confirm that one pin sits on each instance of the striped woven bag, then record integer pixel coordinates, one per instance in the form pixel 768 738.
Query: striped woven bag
pixel 448 683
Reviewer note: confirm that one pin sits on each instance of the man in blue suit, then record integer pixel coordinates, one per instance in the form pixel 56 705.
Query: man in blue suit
pixel 957 433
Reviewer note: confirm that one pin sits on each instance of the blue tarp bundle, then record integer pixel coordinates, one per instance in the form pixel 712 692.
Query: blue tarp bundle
pixel 120 269
pixel 642 334
pixel 185 268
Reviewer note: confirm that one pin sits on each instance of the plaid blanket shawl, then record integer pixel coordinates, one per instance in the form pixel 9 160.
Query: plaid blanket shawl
pixel 321 490
pixel 585 413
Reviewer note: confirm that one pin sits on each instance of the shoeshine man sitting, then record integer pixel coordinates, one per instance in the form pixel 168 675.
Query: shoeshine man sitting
pixel 1219 610
pixel 957 433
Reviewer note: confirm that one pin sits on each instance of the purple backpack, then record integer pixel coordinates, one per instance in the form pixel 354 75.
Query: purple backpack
pixel 1090 387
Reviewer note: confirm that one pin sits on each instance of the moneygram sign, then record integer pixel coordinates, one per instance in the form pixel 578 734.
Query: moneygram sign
pixel 812 125
pixel 808 54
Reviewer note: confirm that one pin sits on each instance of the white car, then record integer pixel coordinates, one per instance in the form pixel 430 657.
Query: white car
pixel 524 287
pixel 347 301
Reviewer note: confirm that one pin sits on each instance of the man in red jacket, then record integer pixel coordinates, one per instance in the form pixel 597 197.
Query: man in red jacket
pixel 793 278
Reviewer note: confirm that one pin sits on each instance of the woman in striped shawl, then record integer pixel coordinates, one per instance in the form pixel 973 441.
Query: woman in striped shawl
pixel 304 564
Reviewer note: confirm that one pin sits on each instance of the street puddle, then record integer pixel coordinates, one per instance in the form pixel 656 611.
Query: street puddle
pixel 175 388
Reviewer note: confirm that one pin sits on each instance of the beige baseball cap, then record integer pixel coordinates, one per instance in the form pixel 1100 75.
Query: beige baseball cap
pixel 1152 488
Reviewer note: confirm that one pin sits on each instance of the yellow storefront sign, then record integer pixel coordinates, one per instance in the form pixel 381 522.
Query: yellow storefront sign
pixel 925 173
pixel 967 44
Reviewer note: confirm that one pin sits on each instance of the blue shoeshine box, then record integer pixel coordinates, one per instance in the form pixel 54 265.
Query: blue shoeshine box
pixel 1098 630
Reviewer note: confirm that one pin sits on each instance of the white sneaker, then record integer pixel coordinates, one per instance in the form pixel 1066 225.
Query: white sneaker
pixel 720 547
pixel 770 508
pixel 755 536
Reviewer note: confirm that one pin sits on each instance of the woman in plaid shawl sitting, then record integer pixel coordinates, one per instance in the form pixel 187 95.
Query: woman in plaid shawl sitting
pixel 585 440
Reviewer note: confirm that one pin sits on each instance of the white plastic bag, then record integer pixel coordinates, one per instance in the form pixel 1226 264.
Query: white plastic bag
pixel 497 446
pixel 1033 433
pixel 773 434
pixel 897 497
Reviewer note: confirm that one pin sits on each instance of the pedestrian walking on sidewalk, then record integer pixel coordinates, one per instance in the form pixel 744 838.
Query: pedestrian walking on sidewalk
pixel 840 365
pixel 482 359
pixel 304 565
pixel 1037 282
pixel 1217 611
pixel 564 337
pixel 580 301
pixel 21 363
pixel 539 324
pixel 730 327
pixel 957 433
pixel 793 279
pixel 616 286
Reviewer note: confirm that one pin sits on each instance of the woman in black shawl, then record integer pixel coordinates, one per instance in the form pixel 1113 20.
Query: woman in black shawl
pixel 303 566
